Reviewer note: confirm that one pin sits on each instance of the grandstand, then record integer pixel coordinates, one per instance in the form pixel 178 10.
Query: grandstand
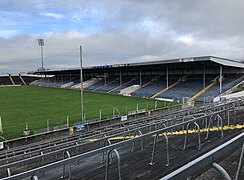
pixel 198 78
pixel 13 79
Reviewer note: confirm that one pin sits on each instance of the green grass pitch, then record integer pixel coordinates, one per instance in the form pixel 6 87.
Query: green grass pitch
pixel 35 105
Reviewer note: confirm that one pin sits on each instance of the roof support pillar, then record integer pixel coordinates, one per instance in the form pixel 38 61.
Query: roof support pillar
pixel 120 78
pixel 167 77
pixel 140 78
pixel 204 77
pixel 220 78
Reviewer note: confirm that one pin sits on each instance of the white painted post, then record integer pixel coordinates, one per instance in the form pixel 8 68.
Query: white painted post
pixel 1 126
pixel 47 125
pixel 220 79
pixel 100 114
pixel 67 121
pixel 156 104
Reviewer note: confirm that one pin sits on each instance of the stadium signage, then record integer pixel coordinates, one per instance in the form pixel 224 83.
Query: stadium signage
pixel 111 66
pixel 79 127
pixel 124 118
pixel 186 60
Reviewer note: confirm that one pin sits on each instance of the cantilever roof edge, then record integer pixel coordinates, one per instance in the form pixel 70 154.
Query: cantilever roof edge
pixel 218 60
pixel 226 62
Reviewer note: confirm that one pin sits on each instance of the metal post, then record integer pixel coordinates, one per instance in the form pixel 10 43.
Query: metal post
pixel 34 177
pixel 67 121
pixel 220 79
pixel 240 163
pixel 107 163
pixel 1 126
pixel 8 172
pixel 140 78
pixel 47 125
pixel 204 77
pixel 221 170
pixel 167 77
pixel 100 114
pixel 105 80
pixel 156 104
pixel 42 58
pixel 41 44
pixel 121 78
pixel 81 87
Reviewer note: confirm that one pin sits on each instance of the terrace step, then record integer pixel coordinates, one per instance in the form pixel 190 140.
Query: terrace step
pixel 214 81
pixel 106 84
pixel 165 89
pixel 121 85
pixel 144 85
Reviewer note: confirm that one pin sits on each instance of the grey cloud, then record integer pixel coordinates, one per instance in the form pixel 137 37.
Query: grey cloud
pixel 132 30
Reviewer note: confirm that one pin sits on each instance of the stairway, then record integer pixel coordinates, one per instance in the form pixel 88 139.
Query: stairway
pixel 11 79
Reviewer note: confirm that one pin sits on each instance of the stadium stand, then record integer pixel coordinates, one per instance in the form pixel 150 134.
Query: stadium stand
pixel 185 88
pixel 129 90
pixel 67 85
pixel 197 78
pixel 228 82
pixel 94 83
pixel 22 80
pixel 112 82
pixel 4 80
pixel 17 79
pixel 11 79
pixel 108 81
pixel 126 82
pixel 158 84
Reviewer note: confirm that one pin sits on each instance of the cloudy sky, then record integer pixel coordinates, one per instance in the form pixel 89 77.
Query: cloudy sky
pixel 117 31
